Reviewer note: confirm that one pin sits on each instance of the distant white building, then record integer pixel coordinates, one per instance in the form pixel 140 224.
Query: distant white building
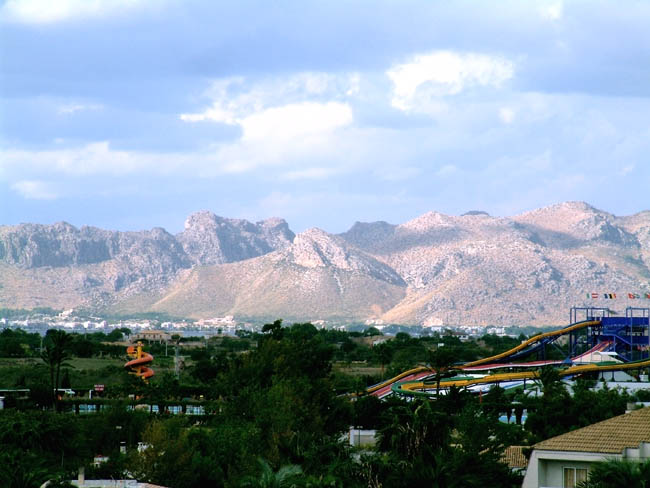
pixel 228 320
pixel 437 329
pixel 374 322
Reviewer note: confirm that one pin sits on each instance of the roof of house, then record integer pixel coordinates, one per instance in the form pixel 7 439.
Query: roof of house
pixel 609 436
pixel 513 456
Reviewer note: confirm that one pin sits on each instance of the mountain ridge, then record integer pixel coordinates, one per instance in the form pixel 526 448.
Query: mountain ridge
pixel 434 269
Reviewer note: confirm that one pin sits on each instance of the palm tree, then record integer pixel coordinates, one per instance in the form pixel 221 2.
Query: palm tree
pixel 384 354
pixel 616 473
pixel 441 361
pixel 21 469
pixel 282 478
pixel 55 355
pixel 550 379
pixel 415 430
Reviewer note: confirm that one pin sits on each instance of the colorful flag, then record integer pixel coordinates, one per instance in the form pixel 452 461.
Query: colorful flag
pixel 647 295
pixel 631 295
pixel 594 295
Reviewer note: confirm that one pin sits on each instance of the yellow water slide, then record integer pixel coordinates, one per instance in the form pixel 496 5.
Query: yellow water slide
pixel 533 340
pixel 421 386
pixel 401 376
pixel 510 352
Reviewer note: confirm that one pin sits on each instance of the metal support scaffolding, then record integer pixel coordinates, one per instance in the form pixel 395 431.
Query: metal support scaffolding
pixel 578 314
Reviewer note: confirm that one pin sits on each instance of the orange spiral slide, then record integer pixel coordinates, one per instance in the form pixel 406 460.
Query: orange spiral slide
pixel 138 365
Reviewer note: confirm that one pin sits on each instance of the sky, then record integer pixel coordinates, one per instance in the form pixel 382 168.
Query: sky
pixel 132 114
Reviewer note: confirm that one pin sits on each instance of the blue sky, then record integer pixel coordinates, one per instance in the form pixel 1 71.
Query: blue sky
pixel 130 114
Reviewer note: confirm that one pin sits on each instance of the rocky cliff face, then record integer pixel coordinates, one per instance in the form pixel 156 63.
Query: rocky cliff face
pixel 209 239
pixel 61 244
pixel 315 248
pixel 99 267
pixel 529 268
pixel 146 257
pixel 435 269
pixel 318 276
pixel 573 224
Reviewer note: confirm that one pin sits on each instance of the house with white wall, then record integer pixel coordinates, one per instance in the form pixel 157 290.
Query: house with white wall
pixel 565 460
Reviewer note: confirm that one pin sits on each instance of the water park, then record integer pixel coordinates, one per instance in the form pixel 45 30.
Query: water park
pixel 594 343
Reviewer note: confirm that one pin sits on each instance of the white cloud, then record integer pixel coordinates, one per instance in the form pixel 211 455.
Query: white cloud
pixel 354 84
pixel 316 173
pixel 48 11
pixel 308 146
pixel 507 115
pixel 282 124
pixel 215 113
pixel 93 158
pixel 552 11
pixel 306 140
pixel 314 150
pixel 282 120
pixel 233 99
pixel 35 190
pixel 72 108
pixel 443 73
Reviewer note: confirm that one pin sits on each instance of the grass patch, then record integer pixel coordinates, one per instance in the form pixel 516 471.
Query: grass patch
pixel 356 369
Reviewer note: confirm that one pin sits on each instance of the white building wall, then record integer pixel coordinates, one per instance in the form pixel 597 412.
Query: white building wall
pixel 545 468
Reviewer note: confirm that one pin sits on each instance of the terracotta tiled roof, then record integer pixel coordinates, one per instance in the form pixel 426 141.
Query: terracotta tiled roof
pixel 514 457
pixel 609 436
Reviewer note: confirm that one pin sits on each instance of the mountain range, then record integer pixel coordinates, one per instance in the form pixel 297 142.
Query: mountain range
pixel 436 269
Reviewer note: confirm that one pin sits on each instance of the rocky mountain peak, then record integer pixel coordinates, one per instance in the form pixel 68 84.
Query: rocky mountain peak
pixel 210 239
pixel 428 221
pixel 276 231
pixel 64 226
pixel 570 223
pixel 273 222
pixel 202 221
pixel 640 220
pixel 559 215
pixel 315 248
pixel 576 206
